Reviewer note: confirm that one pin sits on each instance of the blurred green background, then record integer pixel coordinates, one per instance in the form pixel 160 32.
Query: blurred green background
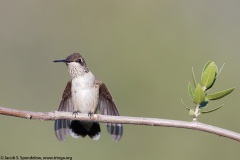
pixel 142 49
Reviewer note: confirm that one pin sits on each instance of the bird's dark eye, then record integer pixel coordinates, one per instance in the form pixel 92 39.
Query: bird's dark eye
pixel 80 60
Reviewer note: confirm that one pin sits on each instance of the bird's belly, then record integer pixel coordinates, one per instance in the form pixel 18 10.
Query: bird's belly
pixel 85 100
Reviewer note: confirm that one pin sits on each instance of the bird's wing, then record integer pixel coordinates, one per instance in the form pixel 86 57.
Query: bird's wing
pixel 107 107
pixel 61 126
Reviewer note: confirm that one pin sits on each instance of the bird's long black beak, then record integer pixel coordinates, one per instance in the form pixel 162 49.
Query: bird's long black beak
pixel 63 60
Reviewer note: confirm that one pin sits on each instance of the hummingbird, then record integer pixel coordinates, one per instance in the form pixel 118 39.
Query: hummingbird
pixel 85 94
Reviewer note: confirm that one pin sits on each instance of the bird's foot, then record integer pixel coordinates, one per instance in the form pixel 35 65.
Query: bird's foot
pixel 90 115
pixel 75 113
pixel 93 115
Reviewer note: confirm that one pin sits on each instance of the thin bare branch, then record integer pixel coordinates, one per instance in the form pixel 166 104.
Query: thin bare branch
pixel 122 119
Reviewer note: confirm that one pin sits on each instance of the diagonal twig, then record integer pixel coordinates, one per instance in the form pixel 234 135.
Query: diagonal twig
pixel 194 125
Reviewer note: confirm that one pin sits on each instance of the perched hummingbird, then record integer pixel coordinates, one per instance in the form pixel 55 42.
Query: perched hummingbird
pixel 85 94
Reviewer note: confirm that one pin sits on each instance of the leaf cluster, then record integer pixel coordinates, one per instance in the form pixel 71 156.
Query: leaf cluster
pixel 198 92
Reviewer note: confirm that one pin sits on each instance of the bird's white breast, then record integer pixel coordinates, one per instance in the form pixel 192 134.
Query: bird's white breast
pixel 85 93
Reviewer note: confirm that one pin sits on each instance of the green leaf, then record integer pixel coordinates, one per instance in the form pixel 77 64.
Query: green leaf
pixel 194 78
pixel 205 66
pixel 191 113
pixel 209 75
pixel 185 105
pixel 220 94
pixel 190 90
pixel 203 112
pixel 220 70
pixel 198 96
